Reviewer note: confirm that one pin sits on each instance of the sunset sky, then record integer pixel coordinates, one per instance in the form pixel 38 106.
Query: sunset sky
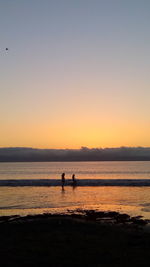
pixel 77 73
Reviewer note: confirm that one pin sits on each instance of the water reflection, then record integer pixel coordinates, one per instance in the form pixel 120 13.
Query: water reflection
pixel 32 199
pixel 62 190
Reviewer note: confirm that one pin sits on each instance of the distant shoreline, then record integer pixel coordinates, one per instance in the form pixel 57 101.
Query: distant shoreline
pixel 117 160
pixel 22 154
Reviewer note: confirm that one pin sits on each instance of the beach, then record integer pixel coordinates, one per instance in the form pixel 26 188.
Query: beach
pixel 35 188
pixel 97 223
pixel 85 238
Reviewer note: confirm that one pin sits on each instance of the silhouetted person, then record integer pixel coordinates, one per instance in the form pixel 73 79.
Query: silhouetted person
pixel 74 180
pixel 63 179
pixel 73 177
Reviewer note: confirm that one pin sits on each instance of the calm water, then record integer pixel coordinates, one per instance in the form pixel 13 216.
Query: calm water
pixel 30 200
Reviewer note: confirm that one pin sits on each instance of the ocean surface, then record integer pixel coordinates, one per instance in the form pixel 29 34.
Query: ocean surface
pixel 35 187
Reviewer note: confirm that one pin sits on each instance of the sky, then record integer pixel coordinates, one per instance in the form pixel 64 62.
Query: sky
pixel 76 73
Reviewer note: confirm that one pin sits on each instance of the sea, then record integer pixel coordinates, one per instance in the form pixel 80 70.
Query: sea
pixel 35 187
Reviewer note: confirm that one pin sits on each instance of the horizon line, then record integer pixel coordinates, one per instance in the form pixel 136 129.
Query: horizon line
pixel 82 147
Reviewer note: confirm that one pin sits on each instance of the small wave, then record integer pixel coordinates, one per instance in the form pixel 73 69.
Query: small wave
pixel 80 182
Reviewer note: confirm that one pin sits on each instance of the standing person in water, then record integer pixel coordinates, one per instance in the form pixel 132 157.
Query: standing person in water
pixel 63 179
pixel 73 179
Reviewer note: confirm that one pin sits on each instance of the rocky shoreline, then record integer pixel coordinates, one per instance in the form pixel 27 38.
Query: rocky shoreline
pixel 77 238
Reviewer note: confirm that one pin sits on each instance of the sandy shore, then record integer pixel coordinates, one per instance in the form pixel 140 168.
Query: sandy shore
pixel 80 239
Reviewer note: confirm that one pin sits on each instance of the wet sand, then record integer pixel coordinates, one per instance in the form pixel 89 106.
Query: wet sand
pixel 84 238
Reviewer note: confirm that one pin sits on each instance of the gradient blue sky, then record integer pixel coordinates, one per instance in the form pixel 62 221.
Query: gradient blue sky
pixel 76 73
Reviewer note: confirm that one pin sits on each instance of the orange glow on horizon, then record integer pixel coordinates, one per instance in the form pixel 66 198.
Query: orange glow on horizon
pixel 74 135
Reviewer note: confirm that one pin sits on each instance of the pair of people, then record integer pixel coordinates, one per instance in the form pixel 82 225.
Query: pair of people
pixel 63 179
